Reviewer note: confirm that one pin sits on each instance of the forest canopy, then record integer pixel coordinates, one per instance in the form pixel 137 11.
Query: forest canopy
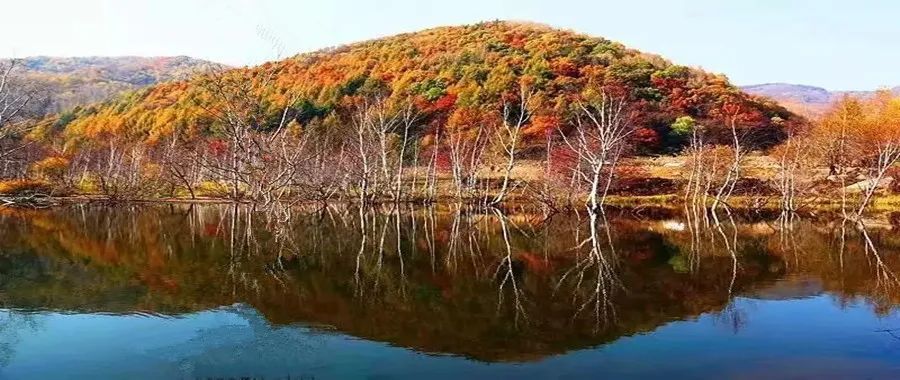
pixel 457 77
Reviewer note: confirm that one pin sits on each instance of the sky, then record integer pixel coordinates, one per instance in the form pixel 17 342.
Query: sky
pixel 839 45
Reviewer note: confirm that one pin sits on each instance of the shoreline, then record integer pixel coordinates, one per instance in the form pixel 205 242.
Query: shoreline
pixel 886 203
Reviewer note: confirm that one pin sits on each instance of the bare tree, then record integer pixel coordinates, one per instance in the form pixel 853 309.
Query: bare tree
pixel 795 170
pixel 594 276
pixel 466 148
pixel 698 176
pixel 887 153
pixel 554 189
pixel 382 133
pixel 325 170
pixel 506 273
pixel 234 106
pixel 733 114
pixel 14 98
pixel 177 157
pixel 19 100
pixel 509 136
pixel 880 134
pixel 373 123
pixel 429 185
pixel 121 169
pixel 259 156
pixel 861 136
pixel 409 117
pixel 601 133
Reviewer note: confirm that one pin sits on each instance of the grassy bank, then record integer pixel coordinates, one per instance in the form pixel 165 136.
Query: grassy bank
pixel 643 182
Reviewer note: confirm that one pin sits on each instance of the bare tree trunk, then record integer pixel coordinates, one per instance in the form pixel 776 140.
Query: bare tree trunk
pixel 409 118
pixel 509 136
pixel 734 172
pixel 601 134
pixel 888 155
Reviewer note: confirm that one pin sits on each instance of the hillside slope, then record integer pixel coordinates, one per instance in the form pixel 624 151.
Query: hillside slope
pixel 810 101
pixel 74 81
pixel 457 76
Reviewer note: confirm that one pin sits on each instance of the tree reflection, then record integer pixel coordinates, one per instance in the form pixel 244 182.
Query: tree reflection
pixel 12 324
pixel 593 277
pixel 494 284
pixel 509 273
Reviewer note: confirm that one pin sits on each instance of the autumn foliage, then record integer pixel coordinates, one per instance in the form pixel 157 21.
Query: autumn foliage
pixel 455 74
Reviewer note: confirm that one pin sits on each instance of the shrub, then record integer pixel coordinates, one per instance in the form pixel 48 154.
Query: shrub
pixel 51 167
pixel 24 187
pixel 632 186
pixel 754 186
pixel 894 186
pixel 212 189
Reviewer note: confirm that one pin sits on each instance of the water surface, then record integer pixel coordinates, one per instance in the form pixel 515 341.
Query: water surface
pixel 449 292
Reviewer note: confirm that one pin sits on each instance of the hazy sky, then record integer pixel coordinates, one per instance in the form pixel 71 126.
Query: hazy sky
pixel 839 45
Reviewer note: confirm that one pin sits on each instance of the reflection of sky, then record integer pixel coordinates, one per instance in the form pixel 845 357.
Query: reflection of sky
pixel 808 337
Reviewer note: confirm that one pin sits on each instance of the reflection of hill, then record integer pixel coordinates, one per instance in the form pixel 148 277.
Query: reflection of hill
pixel 174 261
pixel 790 287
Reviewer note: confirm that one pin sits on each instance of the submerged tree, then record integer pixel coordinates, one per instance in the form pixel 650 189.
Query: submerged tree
pixel 381 133
pixel 600 138
pixel 467 138
pixel 257 155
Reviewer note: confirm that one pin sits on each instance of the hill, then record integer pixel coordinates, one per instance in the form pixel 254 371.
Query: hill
pixel 810 101
pixel 457 76
pixel 74 81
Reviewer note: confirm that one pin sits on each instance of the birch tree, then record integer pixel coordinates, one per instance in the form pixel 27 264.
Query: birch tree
pixel 509 136
pixel 19 100
pixel 880 134
pixel 258 157
pixel 600 137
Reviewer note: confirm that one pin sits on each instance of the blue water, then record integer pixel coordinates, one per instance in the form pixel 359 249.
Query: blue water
pixel 799 338
pixel 211 292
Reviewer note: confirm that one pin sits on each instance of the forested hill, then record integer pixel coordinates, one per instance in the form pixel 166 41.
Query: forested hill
pixel 74 81
pixel 456 77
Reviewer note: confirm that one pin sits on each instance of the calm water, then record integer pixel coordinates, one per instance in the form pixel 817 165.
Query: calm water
pixel 218 292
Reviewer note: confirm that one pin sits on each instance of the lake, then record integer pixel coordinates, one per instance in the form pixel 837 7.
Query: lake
pixel 221 291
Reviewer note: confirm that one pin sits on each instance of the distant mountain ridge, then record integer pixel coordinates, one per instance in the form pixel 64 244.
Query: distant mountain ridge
pixel 75 81
pixel 804 99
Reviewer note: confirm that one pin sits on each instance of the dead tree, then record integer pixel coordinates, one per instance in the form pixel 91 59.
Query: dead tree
pixel 177 156
pixel 121 169
pixel 408 118
pixel 734 114
pixel 509 136
pixel 600 137
pixel 887 153
pixel 373 122
pixel 257 156
pixel 466 148
pixel 19 101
